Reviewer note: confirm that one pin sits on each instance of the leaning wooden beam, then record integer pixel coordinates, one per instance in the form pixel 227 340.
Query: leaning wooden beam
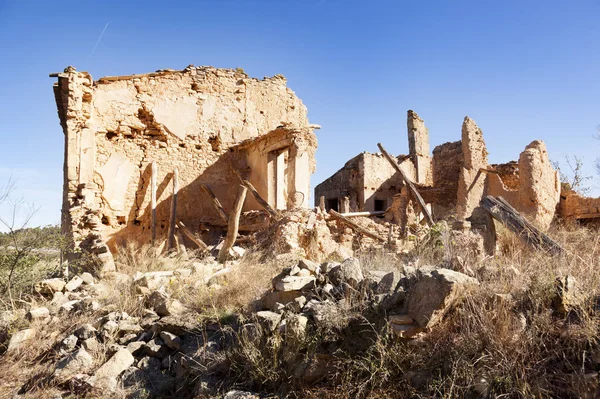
pixel 255 193
pixel 409 183
pixel 171 239
pixel 216 203
pixel 367 213
pixel 234 223
pixel 181 249
pixel 186 232
pixel 355 226
pixel 502 211
pixel 153 199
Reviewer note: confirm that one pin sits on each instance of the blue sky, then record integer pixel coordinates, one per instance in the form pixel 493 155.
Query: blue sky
pixel 523 70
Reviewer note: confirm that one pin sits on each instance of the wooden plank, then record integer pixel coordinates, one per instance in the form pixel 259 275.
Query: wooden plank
pixel 234 223
pixel 367 213
pixel 216 203
pixel 153 199
pixel 587 215
pixel 171 239
pixel 191 236
pixel 409 183
pixel 356 227
pixel 255 193
pixel 502 211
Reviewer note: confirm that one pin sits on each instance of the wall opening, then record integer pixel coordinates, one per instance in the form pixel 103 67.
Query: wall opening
pixel 332 203
pixel 380 205
pixel 277 171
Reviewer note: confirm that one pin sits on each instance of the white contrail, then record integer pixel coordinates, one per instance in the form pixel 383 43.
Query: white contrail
pixel 99 38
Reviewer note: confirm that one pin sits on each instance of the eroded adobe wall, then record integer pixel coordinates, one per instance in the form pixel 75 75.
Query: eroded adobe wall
pixel 577 207
pixel 345 182
pixel 380 180
pixel 115 127
pixel 538 185
pixel 446 167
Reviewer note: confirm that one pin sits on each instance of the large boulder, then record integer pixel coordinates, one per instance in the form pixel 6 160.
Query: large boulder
pixel 293 283
pixel 434 292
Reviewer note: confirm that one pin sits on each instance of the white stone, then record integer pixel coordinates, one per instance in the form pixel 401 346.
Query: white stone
pixel 19 339
pixel 74 284
pixel 38 314
pixel 106 376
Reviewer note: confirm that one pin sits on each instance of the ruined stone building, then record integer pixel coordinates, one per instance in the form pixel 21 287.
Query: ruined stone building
pixel 452 181
pixel 211 125
pixel 368 182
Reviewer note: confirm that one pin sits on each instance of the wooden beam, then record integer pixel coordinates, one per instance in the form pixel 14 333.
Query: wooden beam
pixel 367 213
pixel 234 223
pixel 171 239
pixel 409 183
pixel 153 200
pixel 181 250
pixel 191 236
pixel 355 226
pixel 502 211
pixel 216 203
pixel 587 215
pixel 322 203
pixel 255 193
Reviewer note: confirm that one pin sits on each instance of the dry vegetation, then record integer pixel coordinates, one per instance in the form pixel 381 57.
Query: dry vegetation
pixel 509 337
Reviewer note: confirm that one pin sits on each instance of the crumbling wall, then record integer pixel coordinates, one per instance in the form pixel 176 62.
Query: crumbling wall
pixel 446 165
pixel 186 120
pixel 471 183
pixel 346 182
pixel 380 181
pixel 538 185
pixel 508 173
pixel 577 207
pixel 418 148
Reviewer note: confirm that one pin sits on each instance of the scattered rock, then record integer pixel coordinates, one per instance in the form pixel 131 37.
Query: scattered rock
pixel 295 327
pixel 136 348
pixel 271 299
pixel 85 331
pixel 87 278
pixel 312 267
pixel 293 283
pixel 348 272
pixel 268 320
pixel 434 293
pixel 235 394
pixel 49 286
pixel 91 345
pixel 106 376
pixel 171 340
pixel 156 348
pixel 38 314
pixel 20 339
pixel 74 284
pixel 79 361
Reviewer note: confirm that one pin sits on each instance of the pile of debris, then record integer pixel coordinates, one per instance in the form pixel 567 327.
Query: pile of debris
pixel 165 345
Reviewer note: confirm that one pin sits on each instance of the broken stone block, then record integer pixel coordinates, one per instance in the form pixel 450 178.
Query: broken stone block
pixel 38 314
pixel 435 291
pixel 268 320
pixel 295 327
pixel 79 361
pixel 348 272
pixel 136 348
pixel 312 267
pixel 271 299
pixel 69 343
pixel 86 331
pixel 568 296
pixel 156 348
pixel 106 376
pixel 293 283
pixel 171 340
pixel 20 339
pixel 87 278
pixel 49 286
pixel 74 284
pixel 91 345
